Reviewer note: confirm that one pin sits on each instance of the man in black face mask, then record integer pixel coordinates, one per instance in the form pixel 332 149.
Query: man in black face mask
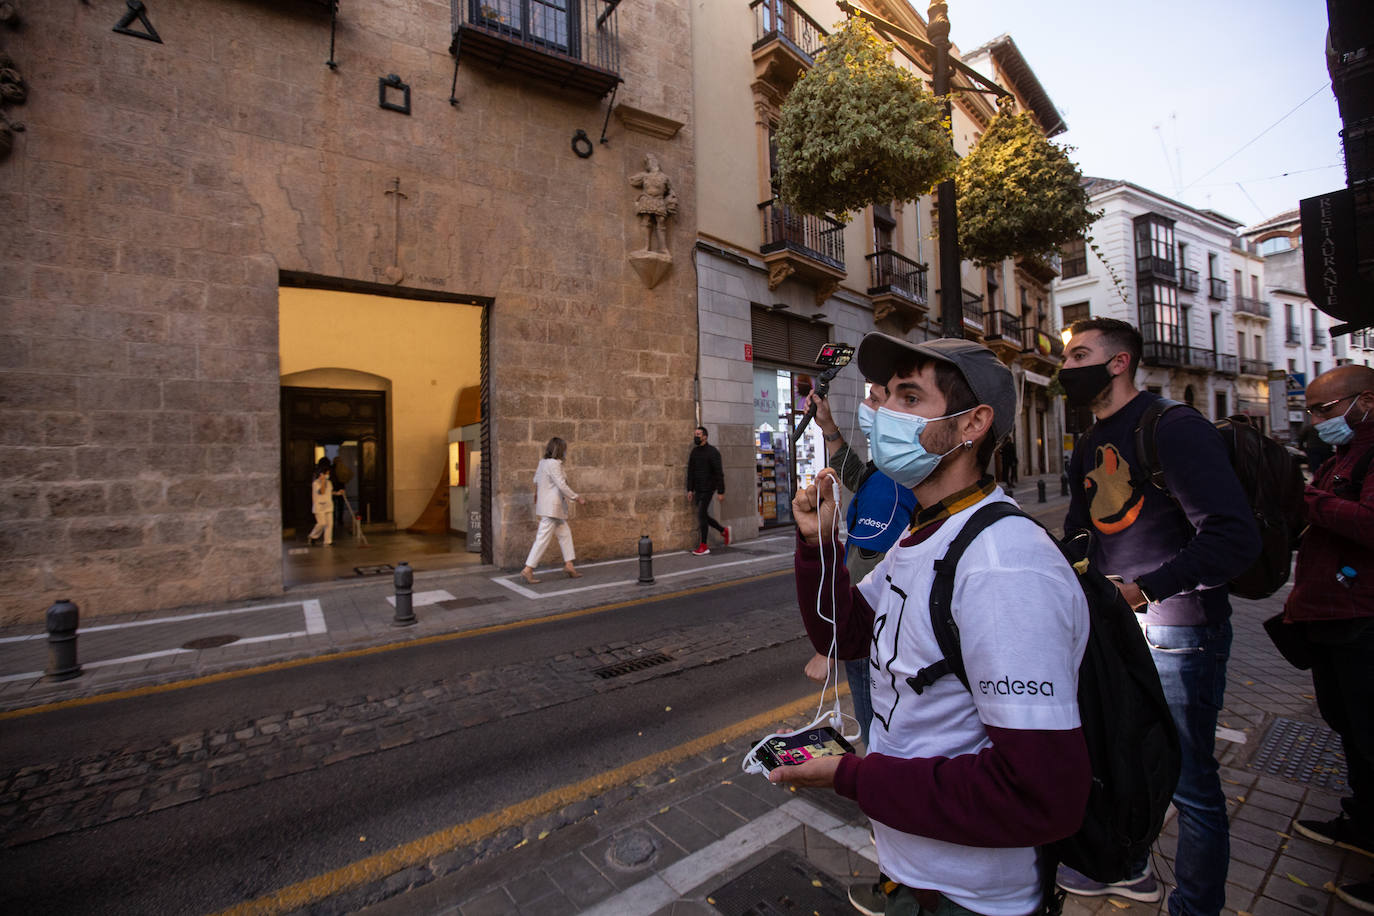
pixel 705 478
pixel 1174 558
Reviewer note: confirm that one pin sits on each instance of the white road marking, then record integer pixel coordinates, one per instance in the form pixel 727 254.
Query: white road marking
pixel 510 583
pixel 422 599
pixel 1235 736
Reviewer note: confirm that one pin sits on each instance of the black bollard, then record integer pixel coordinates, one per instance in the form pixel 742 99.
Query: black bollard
pixel 1040 490
pixel 403 578
pixel 62 622
pixel 646 560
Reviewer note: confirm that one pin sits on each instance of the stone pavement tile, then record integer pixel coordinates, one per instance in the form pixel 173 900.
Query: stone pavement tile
pixel 1239 898
pixel 740 801
pixel 1259 855
pixel 712 815
pixel 683 830
pixel 1280 787
pixel 1250 813
pixel 828 855
pixel 1304 850
pixel 1286 806
pixel 1308 897
pixel 687 908
pixel 492 903
pixel 1260 835
pixel 533 885
pixel 1250 877
pixel 579 879
pixel 545 906
pixel 1267 906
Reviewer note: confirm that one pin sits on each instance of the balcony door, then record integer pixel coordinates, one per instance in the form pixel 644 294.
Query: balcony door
pixel 550 23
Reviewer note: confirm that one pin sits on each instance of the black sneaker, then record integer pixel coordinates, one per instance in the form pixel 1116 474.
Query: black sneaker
pixel 1360 896
pixel 1339 831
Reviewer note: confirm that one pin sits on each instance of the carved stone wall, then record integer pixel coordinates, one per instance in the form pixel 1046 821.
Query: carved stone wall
pixel 159 190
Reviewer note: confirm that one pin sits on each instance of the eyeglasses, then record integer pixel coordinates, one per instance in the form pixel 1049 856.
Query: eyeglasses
pixel 1322 410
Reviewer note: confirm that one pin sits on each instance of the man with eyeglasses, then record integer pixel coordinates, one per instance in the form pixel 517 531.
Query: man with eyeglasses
pixel 1333 600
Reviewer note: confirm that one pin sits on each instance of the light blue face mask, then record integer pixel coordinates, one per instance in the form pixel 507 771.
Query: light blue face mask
pixel 866 414
pixel 897 450
pixel 1336 431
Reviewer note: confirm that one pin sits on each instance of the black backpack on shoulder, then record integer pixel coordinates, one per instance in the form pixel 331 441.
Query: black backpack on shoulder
pixel 1133 745
pixel 1271 477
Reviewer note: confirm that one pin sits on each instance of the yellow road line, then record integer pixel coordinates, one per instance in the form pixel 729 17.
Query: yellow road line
pixel 371 650
pixel 376 867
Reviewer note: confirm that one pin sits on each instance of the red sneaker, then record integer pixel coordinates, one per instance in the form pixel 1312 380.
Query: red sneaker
pixel 726 535
pixel 701 551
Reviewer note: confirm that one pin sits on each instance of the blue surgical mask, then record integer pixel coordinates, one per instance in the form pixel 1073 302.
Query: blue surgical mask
pixel 1336 431
pixel 897 450
pixel 866 414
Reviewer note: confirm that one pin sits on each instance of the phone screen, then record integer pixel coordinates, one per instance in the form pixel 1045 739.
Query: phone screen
pixel 793 749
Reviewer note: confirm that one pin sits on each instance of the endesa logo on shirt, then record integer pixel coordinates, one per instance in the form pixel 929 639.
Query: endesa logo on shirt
pixel 1008 686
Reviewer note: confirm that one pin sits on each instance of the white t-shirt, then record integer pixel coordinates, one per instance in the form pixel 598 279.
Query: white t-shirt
pixel 1023 624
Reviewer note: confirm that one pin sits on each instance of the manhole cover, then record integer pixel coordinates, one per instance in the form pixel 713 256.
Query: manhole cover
pixel 634 664
pixel 210 642
pixel 1304 752
pixel 381 570
pixel 782 885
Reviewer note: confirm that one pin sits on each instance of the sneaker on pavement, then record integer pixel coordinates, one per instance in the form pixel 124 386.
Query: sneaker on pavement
pixel 869 899
pixel 726 535
pixel 1360 896
pixel 701 551
pixel 1339 831
pixel 1145 888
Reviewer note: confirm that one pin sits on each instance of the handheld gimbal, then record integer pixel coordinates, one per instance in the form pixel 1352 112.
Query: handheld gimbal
pixel 834 356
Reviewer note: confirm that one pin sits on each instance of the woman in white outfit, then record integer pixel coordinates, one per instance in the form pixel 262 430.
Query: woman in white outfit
pixel 551 495
pixel 322 503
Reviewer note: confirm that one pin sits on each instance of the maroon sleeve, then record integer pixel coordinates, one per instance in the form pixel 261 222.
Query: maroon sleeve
pixel 853 617
pixel 1027 789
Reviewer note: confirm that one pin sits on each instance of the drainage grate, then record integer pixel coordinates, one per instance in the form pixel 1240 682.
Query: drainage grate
pixel 210 642
pixel 374 570
pixel 1304 752
pixel 634 664
pixel 782 885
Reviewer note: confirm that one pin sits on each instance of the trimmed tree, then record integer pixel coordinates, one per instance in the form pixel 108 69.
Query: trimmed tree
pixel 1018 193
pixel 857 130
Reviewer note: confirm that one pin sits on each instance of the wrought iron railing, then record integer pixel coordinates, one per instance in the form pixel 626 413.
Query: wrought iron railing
pixel 1294 335
pixel 890 272
pixel 1047 343
pixel 1258 367
pixel 1163 353
pixel 1318 338
pixel 774 19
pixel 1252 306
pixel 586 33
pixel 1153 266
pixel 973 310
pixel 1187 280
pixel 1227 364
pixel 818 237
pixel 1216 289
pixel 999 325
pixel 1198 358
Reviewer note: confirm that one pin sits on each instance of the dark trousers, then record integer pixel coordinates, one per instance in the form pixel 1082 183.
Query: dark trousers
pixel 1343 679
pixel 703 501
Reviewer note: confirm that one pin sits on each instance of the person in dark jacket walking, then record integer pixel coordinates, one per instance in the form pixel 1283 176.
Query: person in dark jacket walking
pixel 1173 552
pixel 1333 601
pixel 705 477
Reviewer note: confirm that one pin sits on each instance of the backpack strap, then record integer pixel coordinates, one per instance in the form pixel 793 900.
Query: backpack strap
pixel 942 596
pixel 1146 445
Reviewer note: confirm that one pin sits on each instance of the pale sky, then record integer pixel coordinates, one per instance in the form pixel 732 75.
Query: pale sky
pixel 1211 75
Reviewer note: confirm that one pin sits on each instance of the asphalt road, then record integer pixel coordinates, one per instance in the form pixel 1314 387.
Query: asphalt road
pixel 222 849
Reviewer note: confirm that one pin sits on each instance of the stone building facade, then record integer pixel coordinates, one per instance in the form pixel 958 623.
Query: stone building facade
pixel 194 182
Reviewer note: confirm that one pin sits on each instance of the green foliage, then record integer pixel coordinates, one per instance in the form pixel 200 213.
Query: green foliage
pixel 1018 194
pixel 858 130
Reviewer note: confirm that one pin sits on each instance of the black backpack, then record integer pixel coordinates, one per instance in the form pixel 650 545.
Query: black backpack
pixel 1271 477
pixel 1133 745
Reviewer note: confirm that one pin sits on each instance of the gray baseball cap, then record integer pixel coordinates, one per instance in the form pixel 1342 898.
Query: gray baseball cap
pixel 990 381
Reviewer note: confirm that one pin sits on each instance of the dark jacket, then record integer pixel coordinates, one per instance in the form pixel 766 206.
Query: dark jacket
pixel 1182 550
pixel 704 472
pixel 1340 533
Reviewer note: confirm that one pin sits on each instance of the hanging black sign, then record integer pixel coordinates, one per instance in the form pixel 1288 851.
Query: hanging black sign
pixel 1331 258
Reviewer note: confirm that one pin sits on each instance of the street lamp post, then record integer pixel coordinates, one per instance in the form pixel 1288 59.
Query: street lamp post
pixel 951 282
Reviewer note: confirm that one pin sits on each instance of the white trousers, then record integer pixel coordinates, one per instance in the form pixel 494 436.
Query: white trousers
pixel 548 527
pixel 324 523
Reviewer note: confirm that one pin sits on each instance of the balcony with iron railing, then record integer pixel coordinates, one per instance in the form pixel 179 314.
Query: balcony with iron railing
pixel 1198 358
pixel 1187 280
pixel 894 273
pixel 1248 306
pixel 1228 364
pixel 1155 268
pixel 1216 289
pixel 1162 353
pixel 810 246
pixel 1318 339
pixel 1256 367
pixel 786 41
pixel 1043 267
pixel 973 311
pixel 1002 332
pixel 1294 335
pixel 1043 345
pixel 577 47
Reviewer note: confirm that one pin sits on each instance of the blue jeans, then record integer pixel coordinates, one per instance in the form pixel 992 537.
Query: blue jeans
pixel 857 673
pixel 1192 669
